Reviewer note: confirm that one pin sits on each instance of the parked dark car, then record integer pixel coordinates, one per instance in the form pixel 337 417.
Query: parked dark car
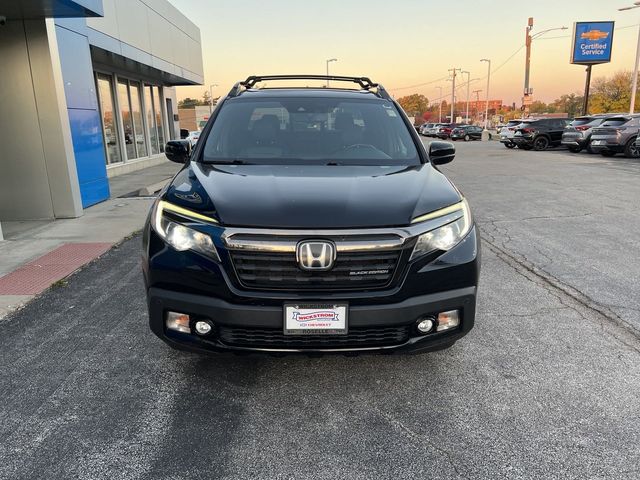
pixel 279 238
pixel 466 133
pixel 577 135
pixel 444 131
pixel 617 135
pixel 540 134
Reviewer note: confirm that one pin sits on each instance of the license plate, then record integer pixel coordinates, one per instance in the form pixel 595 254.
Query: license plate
pixel 315 319
pixel 598 142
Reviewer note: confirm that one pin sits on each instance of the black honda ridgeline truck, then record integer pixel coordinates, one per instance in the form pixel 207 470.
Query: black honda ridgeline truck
pixel 310 220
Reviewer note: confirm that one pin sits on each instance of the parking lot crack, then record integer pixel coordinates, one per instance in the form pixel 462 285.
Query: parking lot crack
pixel 563 292
pixel 413 435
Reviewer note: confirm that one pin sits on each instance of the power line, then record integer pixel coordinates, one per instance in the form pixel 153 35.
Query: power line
pixel 419 84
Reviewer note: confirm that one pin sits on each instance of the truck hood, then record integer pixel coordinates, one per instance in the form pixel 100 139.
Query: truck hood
pixel 311 196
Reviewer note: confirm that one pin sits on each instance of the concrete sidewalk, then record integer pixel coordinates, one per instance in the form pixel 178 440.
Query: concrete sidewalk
pixel 36 255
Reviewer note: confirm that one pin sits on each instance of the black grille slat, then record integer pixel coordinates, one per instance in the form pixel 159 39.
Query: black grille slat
pixel 275 338
pixel 280 270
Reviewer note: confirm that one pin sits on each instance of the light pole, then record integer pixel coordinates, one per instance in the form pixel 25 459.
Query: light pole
pixel 454 73
pixel 634 83
pixel 328 62
pixel 527 66
pixel 486 106
pixel 466 119
pixel 440 105
pixel 211 97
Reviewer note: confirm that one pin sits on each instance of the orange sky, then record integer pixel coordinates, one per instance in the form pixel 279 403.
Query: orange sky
pixel 404 42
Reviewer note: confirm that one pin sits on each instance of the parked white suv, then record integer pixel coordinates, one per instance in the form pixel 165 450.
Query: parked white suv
pixel 507 132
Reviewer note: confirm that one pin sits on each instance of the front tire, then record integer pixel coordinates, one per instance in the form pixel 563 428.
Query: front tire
pixel 509 145
pixel 540 144
pixel 467 138
pixel 575 149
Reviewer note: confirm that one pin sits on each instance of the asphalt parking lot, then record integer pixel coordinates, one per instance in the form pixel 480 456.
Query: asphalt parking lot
pixel 545 386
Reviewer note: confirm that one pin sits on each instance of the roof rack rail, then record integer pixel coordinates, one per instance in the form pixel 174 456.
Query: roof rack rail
pixel 364 82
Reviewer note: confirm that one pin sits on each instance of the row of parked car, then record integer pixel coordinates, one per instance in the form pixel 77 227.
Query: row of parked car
pixel 607 134
pixel 453 131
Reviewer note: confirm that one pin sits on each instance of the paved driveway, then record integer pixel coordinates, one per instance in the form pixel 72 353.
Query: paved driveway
pixel 545 386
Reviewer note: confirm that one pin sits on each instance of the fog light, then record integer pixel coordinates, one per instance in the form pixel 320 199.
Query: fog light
pixel 425 325
pixel 448 320
pixel 178 321
pixel 203 327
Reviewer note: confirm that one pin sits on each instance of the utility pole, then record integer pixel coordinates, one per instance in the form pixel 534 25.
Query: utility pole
pixel 477 92
pixel 440 105
pixel 527 68
pixel 486 107
pixel 454 73
pixel 466 120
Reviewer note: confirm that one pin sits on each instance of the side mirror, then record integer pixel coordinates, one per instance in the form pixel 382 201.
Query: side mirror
pixel 178 151
pixel 441 152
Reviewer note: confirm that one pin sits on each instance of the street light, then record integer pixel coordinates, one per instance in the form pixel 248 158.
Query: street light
pixel 527 64
pixel 634 84
pixel 211 97
pixel 440 108
pixel 486 106
pixel 328 62
pixel 466 120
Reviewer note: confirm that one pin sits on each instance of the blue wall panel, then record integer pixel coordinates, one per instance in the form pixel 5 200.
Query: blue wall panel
pixel 84 116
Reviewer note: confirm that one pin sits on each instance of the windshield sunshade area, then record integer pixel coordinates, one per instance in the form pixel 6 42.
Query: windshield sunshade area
pixel 310 131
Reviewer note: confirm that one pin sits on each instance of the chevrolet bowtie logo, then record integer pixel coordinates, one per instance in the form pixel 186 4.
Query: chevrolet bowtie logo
pixel 594 35
pixel 316 255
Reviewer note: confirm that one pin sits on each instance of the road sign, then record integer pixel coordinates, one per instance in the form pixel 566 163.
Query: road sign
pixel 592 42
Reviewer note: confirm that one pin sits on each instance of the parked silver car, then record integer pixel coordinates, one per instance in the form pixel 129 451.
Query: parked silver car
pixel 617 135
pixel 506 133
pixel 577 135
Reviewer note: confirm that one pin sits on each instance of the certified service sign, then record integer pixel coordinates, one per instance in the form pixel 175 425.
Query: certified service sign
pixel 592 42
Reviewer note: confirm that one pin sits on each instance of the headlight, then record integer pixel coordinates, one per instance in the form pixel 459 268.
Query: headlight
pixel 447 236
pixel 180 236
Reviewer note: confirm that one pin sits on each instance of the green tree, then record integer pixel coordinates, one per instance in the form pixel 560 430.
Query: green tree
pixel 188 103
pixel 414 104
pixel 539 107
pixel 611 94
pixel 570 104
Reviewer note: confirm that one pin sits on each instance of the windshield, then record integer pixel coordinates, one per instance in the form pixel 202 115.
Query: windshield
pixel 309 131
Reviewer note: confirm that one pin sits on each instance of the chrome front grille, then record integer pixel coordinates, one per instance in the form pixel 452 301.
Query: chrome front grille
pixel 280 270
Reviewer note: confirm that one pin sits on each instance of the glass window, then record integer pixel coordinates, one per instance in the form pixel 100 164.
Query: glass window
pixel 136 113
pixel 151 120
pixel 109 126
pixel 157 106
pixel 127 122
pixel 310 130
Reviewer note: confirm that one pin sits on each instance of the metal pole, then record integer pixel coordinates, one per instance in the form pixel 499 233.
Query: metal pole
pixel 466 119
pixel 634 85
pixel 486 106
pixel 527 66
pixel 587 85
pixel 453 94
pixel 477 92
pixel 327 73
pixel 440 109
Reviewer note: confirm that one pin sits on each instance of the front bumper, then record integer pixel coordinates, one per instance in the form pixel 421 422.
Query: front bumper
pixel 227 316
